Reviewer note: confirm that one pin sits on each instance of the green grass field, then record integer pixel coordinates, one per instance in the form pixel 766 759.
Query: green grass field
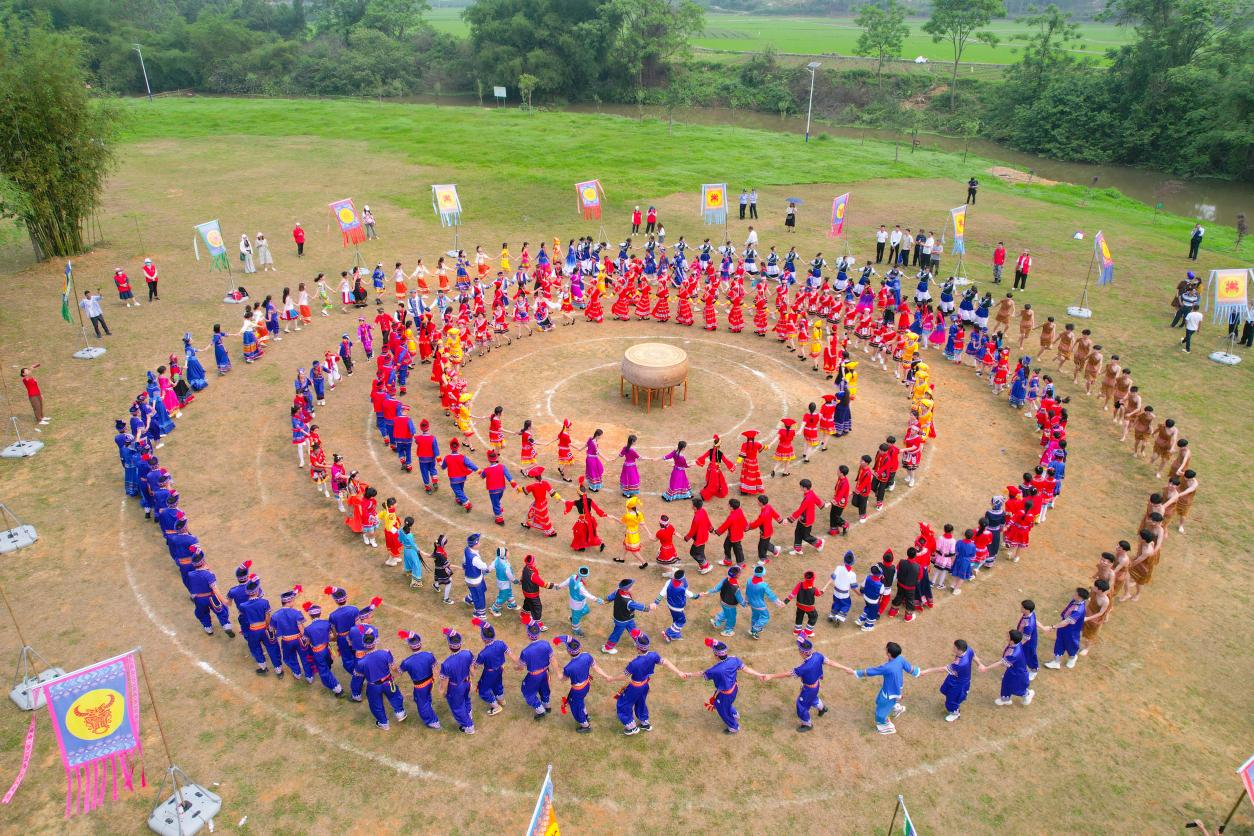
pixel 1145 731
pixel 838 35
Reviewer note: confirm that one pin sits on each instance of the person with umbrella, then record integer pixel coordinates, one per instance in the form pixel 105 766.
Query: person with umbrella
pixel 790 214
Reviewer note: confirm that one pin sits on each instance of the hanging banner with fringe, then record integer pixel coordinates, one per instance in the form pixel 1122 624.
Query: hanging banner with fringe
pixel 714 203
pixel 447 204
pixel 351 230
pixel 959 217
pixel 543 818
pixel 1230 294
pixel 95 716
pixel 211 233
pixel 588 197
pixel 1105 261
pixel 839 207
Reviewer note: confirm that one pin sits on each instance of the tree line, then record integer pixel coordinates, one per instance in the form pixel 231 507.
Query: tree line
pixel 1176 98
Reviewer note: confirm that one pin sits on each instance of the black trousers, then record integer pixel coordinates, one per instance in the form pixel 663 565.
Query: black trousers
pixel 743 206
pixel 879 488
pixel 300 248
pixel 534 607
pixel 152 291
pixel 1188 339
pixel 836 519
pixel 859 502
pixel 971 196
pixel 918 254
pixel 737 548
pixel 1247 333
pixel 98 322
pixel 879 252
pixel 698 554
pixel 1195 244
pixel 1021 280
pixel 650 227
pixel 1177 321
pixel 753 210
pixel 802 534
pixel 765 548
pixel 893 249
pixel 810 616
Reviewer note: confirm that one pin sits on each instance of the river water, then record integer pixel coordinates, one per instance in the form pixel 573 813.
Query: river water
pixel 1213 201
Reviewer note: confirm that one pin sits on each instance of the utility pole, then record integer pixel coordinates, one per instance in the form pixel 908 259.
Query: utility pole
pixel 812 66
pixel 143 69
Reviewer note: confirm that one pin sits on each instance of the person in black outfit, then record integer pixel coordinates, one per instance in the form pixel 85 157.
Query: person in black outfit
pixel 972 185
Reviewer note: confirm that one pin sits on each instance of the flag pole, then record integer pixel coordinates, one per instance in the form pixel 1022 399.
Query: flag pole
pixel 88 351
pixel 1082 310
pixel 27 693
pixel 893 822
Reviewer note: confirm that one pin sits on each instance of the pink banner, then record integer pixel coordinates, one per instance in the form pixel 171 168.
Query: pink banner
pixel 27 748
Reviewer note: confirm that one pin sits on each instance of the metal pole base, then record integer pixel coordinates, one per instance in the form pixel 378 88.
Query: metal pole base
pixel 21 449
pixel 1079 312
pixel 185 812
pixel 1225 358
pixel 26 693
pixel 91 352
pixel 18 537
pixel 230 299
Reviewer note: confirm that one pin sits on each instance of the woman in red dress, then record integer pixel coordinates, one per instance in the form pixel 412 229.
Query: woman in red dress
pixel 684 315
pixel 496 433
pixel 662 310
pixel 644 305
pixel 584 533
pixel 593 312
pixel 565 451
pixel 710 301
pixel 785 439
pixel 527 445
pixel 540 491
pixel 750 474
pixel 621 308
pixel 714 461
pixel 736 296
pixel 760 322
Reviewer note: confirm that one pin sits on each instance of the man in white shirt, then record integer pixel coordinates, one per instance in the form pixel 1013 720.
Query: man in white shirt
pixel 751 240
pixel 894 244
pixel 925 255
pixel 90 304
pixel 842 582
pixel 881 237
pixel 1192 322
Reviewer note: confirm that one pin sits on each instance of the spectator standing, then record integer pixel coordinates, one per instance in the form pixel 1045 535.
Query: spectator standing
pixel 635 221
pixel 650 221
pixel 1023 266
pixel 790 217
pixel 367 220
pixel 753 204
pixel 894 244
pixel 246 254
pixel 1192 322
pixel 35 395
pixel 90 305
pixel 123 283
pixel 1187 297
pixel 751 240
pixel 151 277
pixel 999 261
pixel 1195 241
pixel 298 235
pixel 744 203
pixel 881 238
pixel 972 186
pixel 264 257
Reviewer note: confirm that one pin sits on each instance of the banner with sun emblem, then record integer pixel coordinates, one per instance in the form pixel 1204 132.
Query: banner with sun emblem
pixel 95 715
pixel 544 818
pixel 588 196
pixel 840 206
pixel 959 217
pixel 211 233
pixel 351 229
pixel 1105 261
pixel 447 204
pixel 714 203
pixel 1230 290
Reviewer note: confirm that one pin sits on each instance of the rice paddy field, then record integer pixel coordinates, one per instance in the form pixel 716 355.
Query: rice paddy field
pixel 727 32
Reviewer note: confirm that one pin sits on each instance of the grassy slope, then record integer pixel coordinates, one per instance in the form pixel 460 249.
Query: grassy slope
pixel 828 35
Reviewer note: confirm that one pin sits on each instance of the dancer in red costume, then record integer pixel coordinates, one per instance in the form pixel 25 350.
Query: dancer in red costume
pixel 584 534
pixel 785 446
pixel 644 305
pixel 736 296
pixel 540 491
pixel 750 475
pixel 760 323
pixel 662 310
pixel 713 460
pixel 710 300
pixel 593 312
pixel 683 315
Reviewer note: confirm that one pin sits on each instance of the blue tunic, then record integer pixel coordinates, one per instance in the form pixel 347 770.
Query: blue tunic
pixel 958 680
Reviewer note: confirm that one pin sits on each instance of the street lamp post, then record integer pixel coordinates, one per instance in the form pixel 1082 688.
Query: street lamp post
pixel 812 66
pixel 143 69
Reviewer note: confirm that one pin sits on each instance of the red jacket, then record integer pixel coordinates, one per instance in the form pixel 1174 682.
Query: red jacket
pixel 298 235
pixel 862 485
pixel 1024 264
pixel 766 520
pixel 840 497
pixel 699 531
pixel 810 503
pixel 734 526
pixel 999 255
